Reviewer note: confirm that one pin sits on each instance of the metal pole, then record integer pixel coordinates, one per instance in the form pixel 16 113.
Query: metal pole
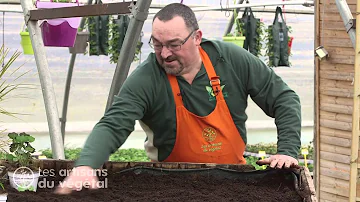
pixel 140 13
pixel 231 21
pixel 68 84
pixel 231 7
pixel 66 95
pixel 57 145
pixel 347 17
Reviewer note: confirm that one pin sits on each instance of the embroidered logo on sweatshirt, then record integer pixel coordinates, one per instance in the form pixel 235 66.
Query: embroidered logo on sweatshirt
pixel 211 94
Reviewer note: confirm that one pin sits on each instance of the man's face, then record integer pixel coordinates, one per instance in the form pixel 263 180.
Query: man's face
pixel 168 38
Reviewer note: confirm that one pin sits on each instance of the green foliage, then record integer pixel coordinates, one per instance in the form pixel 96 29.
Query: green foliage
pixel 20 149
pixel 128 155
pixel 7 86
pixel 260 33
pixel 115 43
pixel 251 160
pixel 70 153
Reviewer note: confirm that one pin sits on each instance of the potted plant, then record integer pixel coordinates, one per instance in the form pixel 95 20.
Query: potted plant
pixel 59 32
pixel 26 42
pixel 237 37
pixel 3 194
pixel 22 174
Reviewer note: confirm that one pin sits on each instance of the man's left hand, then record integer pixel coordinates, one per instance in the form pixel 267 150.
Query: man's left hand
pixel 280 161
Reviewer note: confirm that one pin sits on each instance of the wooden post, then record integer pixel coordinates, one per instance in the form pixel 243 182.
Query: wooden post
pixel 356 113
pixel 317 105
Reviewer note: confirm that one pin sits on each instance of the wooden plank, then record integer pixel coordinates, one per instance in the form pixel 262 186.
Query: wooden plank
pixel 344 51
pixel 336 182
pixel 338 125
pixel 342 59
pixel 337 92
pixel 335 42
pixel 81 11
pixel 336 75
pixel 335 165
pixel 327 2
pixel 336 190
pixel 337 149
pixel 331 16
pixel 334 157
pixel 335 116
pixel 347 84
pixel 335 108
pixel 331 25
pixel 328 66
pixel 336 100
pixel 330 197
pixel 339 34
pixel 343 144
pixel 332 8
pixel 331 172
pixel 335 133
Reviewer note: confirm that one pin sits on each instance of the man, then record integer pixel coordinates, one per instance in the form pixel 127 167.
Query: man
pixel 190 96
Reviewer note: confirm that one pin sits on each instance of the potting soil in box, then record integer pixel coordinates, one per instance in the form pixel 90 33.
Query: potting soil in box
pixel 153 184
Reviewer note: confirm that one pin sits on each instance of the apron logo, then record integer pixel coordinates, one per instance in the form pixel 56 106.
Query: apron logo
pixel 209 134
pixel 211 92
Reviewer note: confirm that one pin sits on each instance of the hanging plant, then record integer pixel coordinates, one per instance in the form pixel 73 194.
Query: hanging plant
pixel 260 27
pixel 269 46
pixel 118 28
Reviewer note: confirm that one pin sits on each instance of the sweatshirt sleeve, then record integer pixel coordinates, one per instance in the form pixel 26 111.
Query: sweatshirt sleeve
pixel 277 100
pixel 118 122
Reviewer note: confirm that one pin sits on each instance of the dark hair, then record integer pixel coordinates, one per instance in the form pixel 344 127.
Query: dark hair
pixel 177 9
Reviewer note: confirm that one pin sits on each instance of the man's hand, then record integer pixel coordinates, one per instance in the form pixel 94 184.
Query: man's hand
pixel 280 161
pixel 82 176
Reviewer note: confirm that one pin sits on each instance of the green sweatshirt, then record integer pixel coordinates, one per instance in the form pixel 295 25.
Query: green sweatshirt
pixel 146 96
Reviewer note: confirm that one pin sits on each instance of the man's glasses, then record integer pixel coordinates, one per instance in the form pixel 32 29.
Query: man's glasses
pixel 172 46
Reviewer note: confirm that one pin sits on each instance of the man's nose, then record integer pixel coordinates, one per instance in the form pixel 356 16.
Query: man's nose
pixel 165 52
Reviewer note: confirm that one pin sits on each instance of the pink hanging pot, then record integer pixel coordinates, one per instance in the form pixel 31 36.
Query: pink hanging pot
pixel 60 32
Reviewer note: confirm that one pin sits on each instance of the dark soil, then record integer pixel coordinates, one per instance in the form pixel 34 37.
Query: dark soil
pixel 172 187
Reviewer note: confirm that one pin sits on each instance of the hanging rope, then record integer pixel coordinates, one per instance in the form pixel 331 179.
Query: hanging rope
pixel 227 12
pixel 283 10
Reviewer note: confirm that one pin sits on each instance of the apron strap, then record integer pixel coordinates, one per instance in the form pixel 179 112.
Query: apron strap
pixel 214 79
pixel 175 89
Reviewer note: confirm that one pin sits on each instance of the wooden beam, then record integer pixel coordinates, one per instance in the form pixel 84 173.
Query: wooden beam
pixel 356 114
pixel 81 11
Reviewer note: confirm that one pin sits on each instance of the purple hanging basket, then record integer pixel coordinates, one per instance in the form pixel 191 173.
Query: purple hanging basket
pixel 60 32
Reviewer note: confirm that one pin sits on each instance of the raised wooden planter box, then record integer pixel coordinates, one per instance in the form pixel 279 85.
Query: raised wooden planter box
pixel 147 181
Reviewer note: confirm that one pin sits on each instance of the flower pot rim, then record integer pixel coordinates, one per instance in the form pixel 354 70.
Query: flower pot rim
pixel 24 33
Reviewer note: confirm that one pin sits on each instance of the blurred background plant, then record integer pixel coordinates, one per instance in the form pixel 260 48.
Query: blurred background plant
pixel 10 87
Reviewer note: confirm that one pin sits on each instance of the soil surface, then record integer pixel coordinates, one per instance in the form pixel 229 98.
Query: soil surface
pixel 131 186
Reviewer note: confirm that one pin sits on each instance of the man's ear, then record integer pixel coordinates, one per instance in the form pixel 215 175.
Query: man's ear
pixel 198 37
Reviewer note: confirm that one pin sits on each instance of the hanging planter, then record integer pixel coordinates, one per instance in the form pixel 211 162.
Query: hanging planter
pixel 60 32
pixel 238 40
pixel 26 42
pixel 81 43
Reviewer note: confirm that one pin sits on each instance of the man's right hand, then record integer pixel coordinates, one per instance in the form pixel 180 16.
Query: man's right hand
pixel 82 176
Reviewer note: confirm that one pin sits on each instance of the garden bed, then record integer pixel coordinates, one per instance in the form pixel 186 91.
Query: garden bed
pixel 146 181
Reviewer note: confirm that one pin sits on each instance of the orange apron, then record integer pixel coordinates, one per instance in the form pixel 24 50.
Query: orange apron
pixel 210 139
